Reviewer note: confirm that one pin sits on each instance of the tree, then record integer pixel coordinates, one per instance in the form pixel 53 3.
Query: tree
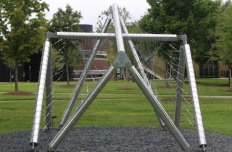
pixel 223 46
pixel 23 27
pixel 195 18
pixel 66 21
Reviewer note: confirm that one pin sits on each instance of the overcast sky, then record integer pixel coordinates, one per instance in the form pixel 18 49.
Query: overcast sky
pixel 91 9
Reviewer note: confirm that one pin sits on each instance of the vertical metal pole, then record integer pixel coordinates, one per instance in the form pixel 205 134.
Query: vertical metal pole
pixel 180 78
pixel 195 99
pixel 83 76
pixel 83 107
pixel 49 91
pixel 40 94
pixel 158 107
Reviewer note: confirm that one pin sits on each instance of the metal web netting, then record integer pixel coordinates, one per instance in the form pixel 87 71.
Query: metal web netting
pixel 160 61
pixel 65 78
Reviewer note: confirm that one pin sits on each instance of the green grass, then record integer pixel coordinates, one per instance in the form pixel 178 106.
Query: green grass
pixel 15 116
pixel 116 106
pixel 213 86
pixel 217 114
pixel 23 86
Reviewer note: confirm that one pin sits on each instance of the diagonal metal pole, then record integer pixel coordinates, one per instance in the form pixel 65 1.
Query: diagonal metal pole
pixel 195 99
pixel 140 66
pixel 83 75
pixel 40 93
pixel 157 106
pixel 117 28
pixel 83 107
pixel 49 91
pixel 132 46
pixel 124 61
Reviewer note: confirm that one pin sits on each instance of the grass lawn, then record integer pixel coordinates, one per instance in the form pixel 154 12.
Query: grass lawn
pixel 117 107
pixel 217 114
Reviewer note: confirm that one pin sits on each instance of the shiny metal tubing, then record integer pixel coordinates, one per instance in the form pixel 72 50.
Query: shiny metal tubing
pixel 133 50
pixel 40 94
pixel 49 91
pixel 158 107
pixel 195 99
pixel 117 28
pixel 83 75
pixel 111 36
pixel 140 67
pixel 180 78
pixel 83 107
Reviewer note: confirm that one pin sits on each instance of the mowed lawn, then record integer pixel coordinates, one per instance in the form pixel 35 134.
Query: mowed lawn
pixel 116 106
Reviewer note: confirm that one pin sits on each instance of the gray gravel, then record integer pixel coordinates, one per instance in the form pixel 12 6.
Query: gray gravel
pixel 111 139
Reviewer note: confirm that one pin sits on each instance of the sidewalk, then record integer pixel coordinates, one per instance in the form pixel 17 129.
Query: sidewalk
pixel 222 97
pixel 200 96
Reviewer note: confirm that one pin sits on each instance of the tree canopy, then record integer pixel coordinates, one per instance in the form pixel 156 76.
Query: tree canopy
pixel 195 18
pixel 23 28
pixel 222 48
pixel 224 37
pixel 66 21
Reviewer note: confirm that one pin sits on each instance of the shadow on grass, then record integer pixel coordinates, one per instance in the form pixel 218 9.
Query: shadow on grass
pixel 19 93
pixel 211 83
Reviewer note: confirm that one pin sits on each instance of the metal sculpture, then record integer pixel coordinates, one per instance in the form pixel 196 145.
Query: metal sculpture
pixel 121 60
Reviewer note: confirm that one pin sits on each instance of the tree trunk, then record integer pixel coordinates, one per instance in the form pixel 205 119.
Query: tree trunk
pixel 16 77
pixel 10 75
pixel 125 78
pixel 67 73
pixel 230 79
pixel 168 74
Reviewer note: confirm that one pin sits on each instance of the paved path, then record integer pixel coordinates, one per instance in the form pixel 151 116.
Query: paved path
pixel 222 97
pixel 200 96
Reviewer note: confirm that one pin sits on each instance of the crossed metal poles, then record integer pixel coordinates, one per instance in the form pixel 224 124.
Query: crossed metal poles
pixel 121 61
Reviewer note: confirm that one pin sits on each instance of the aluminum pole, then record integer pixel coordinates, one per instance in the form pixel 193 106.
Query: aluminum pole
pixel 180 79
pixel 83 107
pixel 111 36
pixel 195 99
pixel 140 67
pixel 40 94
pixel 158 107
pixel 83 75
pixel 49 91
pixel 117 28
pixel 131 44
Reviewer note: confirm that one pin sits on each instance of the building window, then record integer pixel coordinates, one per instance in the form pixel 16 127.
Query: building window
pixel 209 69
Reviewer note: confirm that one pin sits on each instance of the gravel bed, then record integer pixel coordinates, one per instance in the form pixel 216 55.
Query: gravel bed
pixel 114 139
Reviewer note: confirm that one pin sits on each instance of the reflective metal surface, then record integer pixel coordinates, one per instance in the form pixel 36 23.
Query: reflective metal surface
pixel 112 36
pixel 195 99
pixel 40 94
